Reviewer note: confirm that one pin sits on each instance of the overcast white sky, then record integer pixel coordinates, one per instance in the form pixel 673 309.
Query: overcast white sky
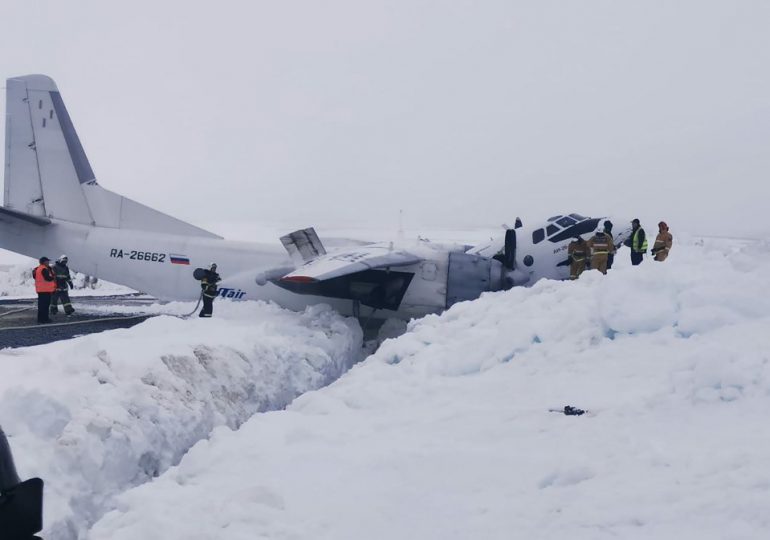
pixel 463 113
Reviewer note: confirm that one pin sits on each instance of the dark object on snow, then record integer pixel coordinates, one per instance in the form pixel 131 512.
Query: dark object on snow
pixel 21 503
pixel 569 410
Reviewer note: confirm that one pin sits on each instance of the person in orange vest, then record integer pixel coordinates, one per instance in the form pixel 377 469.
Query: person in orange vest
pixel 45 285
pixel 600 246
pixel 577 251
pixel 663 242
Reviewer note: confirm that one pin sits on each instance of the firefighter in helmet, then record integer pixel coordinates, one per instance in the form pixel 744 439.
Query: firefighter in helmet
pixel 577 252
pixel 663 242
pixel 600 246
pixel 209 290
pixel 63 285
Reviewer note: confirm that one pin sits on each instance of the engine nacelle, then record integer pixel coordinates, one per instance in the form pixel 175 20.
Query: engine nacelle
pixel 470 275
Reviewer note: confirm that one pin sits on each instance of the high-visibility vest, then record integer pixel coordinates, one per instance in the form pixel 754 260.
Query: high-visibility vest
pixel 41 285
pixel 635 242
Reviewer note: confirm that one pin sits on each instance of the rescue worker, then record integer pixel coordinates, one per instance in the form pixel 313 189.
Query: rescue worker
pixel 517 224
pixel 608 232
pixel 663 242
pixel 209 290
pixel 637 242
pixel 45 285
pixel 600 246
pixel 63 285
pixel 577 252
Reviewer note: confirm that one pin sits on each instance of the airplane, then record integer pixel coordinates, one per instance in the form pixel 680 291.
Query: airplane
pixel 54 204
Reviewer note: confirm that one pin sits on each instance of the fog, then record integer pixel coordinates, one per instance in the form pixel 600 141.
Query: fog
pixel 461 114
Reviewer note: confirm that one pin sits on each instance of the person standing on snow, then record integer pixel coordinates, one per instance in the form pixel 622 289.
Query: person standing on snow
pixel 663 242
pixel 45 285
pixel 637 243
pixel 209 290
pixel 600 246
pixel 63 285
pixel 578 252
pixel 608 232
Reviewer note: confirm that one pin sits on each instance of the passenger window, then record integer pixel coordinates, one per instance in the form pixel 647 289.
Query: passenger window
pixel 552 229
pixel 538 236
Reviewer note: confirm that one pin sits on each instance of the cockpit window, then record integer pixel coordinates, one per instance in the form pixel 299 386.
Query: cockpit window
pixel 538 236
pixel 552 229
pixel 578 217
pixel 554 218
pixel 566 221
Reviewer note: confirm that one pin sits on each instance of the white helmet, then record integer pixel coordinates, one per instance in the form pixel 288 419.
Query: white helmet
pixel 62 258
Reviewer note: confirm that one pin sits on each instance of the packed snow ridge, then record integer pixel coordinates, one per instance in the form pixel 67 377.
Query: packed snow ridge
pixel 101 413
pixel 445 432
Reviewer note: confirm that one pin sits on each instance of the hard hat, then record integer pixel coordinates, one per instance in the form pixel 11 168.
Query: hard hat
pixel 213 266
pixel 635 220
pixel 62 257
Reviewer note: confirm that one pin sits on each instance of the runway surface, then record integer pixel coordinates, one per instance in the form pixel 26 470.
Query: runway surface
pixel 19 327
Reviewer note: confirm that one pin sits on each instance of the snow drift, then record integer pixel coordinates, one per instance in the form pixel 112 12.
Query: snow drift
pixel 95 415
pixel 445 432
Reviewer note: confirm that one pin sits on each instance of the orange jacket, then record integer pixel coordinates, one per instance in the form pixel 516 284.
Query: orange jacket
pixel 42 285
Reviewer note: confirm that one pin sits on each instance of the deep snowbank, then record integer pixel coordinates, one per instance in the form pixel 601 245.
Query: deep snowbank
pixel 445 432
pixel 98 414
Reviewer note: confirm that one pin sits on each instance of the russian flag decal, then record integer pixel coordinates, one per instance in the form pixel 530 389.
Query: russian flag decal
pixel 178 259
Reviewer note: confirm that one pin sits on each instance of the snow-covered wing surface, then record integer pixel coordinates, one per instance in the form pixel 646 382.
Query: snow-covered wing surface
pixel 350 261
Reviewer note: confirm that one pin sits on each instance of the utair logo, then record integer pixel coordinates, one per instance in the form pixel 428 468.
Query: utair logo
pixel 227 292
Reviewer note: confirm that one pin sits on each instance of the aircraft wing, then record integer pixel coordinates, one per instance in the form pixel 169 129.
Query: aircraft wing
pixel 350 261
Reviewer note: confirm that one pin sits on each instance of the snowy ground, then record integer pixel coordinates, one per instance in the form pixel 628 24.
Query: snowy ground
pixel 16 282
pixel 445 433
pixel 100 413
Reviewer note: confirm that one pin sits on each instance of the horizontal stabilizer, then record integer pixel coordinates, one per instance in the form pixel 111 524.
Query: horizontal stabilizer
pixel 351 261
pixel 12 216
pixel 303 245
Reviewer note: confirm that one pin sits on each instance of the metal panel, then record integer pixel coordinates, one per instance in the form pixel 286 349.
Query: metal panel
pixel 303 245
pixel 23 190
pixel 77 154
pixel 468 277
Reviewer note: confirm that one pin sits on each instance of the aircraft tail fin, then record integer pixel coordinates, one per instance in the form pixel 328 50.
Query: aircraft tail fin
pixel 47 172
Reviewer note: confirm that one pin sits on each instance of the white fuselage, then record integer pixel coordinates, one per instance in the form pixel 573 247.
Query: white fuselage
pixel 143 261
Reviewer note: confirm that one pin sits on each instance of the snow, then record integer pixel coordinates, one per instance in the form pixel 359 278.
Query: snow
pixel 97 414
pixel 445 432
pixel 16 282
pixel 226 428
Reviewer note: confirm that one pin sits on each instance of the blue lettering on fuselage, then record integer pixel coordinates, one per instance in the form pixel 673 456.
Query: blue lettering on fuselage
pixel 227 292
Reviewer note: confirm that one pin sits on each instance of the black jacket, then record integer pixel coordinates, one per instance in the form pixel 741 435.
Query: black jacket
pixel 209 283
pixel 63 278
